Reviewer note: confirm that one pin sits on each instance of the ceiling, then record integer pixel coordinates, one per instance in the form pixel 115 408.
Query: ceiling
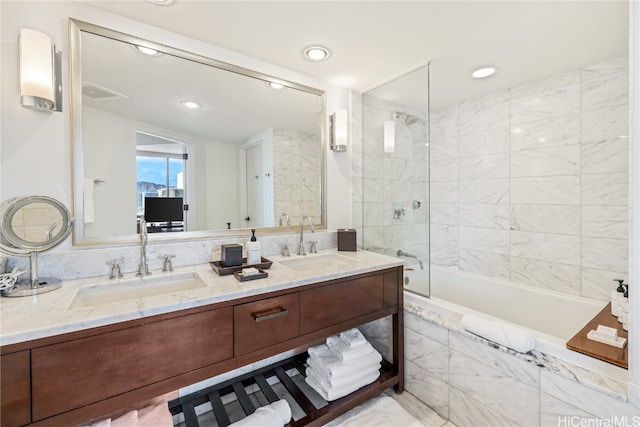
pixel 373 41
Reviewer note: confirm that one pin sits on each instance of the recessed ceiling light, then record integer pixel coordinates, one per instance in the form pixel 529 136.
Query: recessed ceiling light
pixel 481 73
pixel 161 2
pixel 274 85
pixel 317 53
pixel 191 104
pixel 147 50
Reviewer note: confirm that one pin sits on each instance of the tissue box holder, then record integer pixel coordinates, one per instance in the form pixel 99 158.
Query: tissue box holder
pixel 347 240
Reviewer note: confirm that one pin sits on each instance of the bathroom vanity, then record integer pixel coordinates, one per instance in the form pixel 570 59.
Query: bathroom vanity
pixel 76 364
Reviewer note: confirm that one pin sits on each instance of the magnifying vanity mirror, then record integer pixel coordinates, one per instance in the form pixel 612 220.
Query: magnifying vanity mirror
pixel 31 225
pixel 198 147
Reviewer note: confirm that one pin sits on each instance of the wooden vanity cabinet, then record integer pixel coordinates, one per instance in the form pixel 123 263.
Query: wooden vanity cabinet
pixel 87 375
pixel 265 322
pixel 15 389
pixel 331 304
pixel 79 372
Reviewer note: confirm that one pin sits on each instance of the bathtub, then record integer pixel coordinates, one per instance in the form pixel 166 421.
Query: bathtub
pixel 551 316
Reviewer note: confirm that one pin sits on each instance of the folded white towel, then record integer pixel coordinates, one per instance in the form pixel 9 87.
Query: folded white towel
pixel 504 334
pixel 276 414
pixel 341 381
pixel 338 392
pixel 343 351
pixel 322 358
pixel 353 337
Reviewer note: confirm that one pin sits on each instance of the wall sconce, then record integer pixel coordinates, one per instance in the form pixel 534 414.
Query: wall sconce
pixel 40 72
pixel 339 130
pixel 389 136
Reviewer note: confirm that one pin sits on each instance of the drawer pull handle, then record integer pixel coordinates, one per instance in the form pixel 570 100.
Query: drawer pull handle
pixel 271 313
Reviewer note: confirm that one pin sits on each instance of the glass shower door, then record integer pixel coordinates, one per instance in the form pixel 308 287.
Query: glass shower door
pixel 395 174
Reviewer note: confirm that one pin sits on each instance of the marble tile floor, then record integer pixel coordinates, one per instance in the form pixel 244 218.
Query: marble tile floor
pixel 427 416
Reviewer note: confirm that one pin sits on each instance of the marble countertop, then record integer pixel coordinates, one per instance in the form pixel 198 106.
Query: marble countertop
pixel 54 313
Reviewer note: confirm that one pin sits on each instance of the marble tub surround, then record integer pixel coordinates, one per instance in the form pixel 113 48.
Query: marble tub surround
pixel 471 381
pixel 83 262
pixel 531 184
pixel 24 319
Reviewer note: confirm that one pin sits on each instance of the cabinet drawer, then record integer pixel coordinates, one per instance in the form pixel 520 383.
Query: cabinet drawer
pixel 15 389
pixel 75 373
pixel 263 323
pixel 332 304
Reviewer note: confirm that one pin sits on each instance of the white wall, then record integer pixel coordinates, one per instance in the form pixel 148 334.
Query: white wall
pixel 35 146
pixel 110 156
pixel 221 177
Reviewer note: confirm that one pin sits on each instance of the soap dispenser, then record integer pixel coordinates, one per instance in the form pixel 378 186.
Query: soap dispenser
pixel 616 296
pixel 624 309
pixel 254 255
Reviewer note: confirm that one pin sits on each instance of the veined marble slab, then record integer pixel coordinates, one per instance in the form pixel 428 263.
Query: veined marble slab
pixel 48 314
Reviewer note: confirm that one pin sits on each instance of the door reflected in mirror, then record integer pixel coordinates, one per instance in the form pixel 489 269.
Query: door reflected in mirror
pixel 239 153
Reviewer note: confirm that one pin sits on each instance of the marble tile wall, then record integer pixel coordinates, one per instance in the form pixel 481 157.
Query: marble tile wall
pixel 393 181
pixel 531 184
pixel 72 264
pixel 469 382
pixel 296 155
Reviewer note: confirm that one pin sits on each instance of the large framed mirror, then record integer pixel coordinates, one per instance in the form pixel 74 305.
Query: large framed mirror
pixel 198 147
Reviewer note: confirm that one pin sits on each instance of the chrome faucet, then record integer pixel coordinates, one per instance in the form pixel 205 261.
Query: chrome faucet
pixel 301 247
pixel 285 216
pixel 143 269
pixel 402 253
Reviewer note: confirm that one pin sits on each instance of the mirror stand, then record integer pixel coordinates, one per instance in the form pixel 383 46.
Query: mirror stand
pixel 18 217
pixel 34 286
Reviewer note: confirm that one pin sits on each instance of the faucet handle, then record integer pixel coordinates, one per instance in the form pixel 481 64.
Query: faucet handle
pixel 312 248
pixel 116 271
pixel 167 265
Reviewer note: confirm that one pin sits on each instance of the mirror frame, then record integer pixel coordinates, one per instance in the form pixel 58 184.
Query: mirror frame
pixel 76 27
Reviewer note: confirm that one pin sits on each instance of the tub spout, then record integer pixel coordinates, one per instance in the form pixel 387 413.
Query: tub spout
pixel 402 253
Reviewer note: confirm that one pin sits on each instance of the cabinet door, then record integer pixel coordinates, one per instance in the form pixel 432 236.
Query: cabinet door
pixel 15 389
pixel 262 323
pixel 332 304
pixel 71 374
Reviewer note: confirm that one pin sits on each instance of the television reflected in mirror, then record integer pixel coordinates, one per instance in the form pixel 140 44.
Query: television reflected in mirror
pixel 164 214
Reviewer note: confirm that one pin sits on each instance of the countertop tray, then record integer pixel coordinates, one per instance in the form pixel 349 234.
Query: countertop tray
pixel 261 275
pixel 265 264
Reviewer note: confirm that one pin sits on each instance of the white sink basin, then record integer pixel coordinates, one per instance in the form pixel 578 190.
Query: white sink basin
pixel 314 262
pixel 135 288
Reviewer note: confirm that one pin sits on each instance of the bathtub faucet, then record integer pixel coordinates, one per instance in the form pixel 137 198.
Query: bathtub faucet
pixel 402 253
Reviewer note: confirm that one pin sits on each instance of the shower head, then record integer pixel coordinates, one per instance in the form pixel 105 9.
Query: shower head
pixel 407 119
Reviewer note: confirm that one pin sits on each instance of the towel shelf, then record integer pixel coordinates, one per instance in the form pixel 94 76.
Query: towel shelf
pixel 281 380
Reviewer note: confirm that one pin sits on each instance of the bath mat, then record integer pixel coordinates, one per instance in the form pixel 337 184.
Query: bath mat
pixel 381 411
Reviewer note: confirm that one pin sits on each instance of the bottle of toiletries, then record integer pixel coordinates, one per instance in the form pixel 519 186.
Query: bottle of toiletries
pixel 624 309
pixel 616 294
pixel 254 255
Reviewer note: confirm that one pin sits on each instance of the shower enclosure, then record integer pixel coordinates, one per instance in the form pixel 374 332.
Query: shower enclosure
pixel 395 173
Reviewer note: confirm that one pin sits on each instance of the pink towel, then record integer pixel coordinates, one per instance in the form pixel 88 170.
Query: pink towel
pixel 155 416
